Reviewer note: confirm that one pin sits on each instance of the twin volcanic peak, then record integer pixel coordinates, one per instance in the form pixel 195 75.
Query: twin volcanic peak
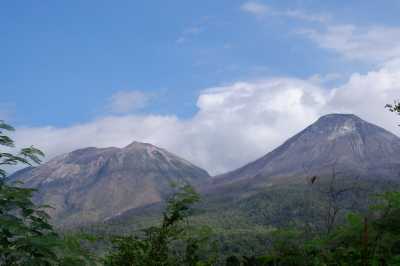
pixel 93 184
pixel 341 141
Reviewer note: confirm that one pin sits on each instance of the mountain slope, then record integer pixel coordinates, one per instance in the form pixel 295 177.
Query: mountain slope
pixel 91 184
pixel 343 141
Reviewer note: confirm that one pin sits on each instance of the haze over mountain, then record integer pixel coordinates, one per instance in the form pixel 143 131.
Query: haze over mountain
pixel 342 141
pixel 91 184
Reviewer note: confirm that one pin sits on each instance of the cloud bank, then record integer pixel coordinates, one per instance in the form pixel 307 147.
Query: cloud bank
pixel 235 123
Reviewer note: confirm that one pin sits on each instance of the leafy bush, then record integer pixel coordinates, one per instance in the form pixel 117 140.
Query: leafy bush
pixel 26 236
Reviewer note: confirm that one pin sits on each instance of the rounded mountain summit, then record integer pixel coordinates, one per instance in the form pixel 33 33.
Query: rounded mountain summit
pixel 93 184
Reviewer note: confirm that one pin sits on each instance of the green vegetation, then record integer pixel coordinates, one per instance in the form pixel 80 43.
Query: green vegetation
pixel 372 239
pixel 171 243
pixel 367 237
pixel 26 237
pixel 395 107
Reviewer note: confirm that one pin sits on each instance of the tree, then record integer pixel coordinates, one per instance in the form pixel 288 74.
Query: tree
pixel 171 243
pixel 339 194
pixel 26 237
pixel 395 107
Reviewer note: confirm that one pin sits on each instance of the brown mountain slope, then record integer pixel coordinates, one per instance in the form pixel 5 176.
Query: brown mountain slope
pixel 91 185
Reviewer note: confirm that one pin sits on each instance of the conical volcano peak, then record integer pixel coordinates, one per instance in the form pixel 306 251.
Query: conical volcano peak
pixel 339 116
pixel 339 119
pixel 337 125
pixel 137 144
pixel 352 144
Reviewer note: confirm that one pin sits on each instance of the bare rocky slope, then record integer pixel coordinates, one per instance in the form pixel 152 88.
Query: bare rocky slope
pixel 93 185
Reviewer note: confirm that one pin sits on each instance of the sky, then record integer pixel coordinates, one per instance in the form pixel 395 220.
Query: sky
pixel 218 82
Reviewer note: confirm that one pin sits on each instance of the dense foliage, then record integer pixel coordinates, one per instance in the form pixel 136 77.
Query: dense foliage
pixel 170 243
pixel 373 239
pixel 26 237
pixel 364 238
pixel 395 107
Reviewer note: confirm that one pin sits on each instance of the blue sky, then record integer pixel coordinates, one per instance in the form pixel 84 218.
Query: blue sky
pixel 63 59
pixel 71 63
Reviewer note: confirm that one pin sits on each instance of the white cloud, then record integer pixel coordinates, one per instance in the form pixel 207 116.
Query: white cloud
pixel 235 123
pixel 128 101
pixel 255 8
pixel 107 131
pixel 242 121
pixel 373 44
pixel 367 94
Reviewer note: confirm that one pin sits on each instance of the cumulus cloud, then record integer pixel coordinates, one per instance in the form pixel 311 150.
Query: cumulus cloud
pixel 235 123
pixel 366 94
pixel 128 101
